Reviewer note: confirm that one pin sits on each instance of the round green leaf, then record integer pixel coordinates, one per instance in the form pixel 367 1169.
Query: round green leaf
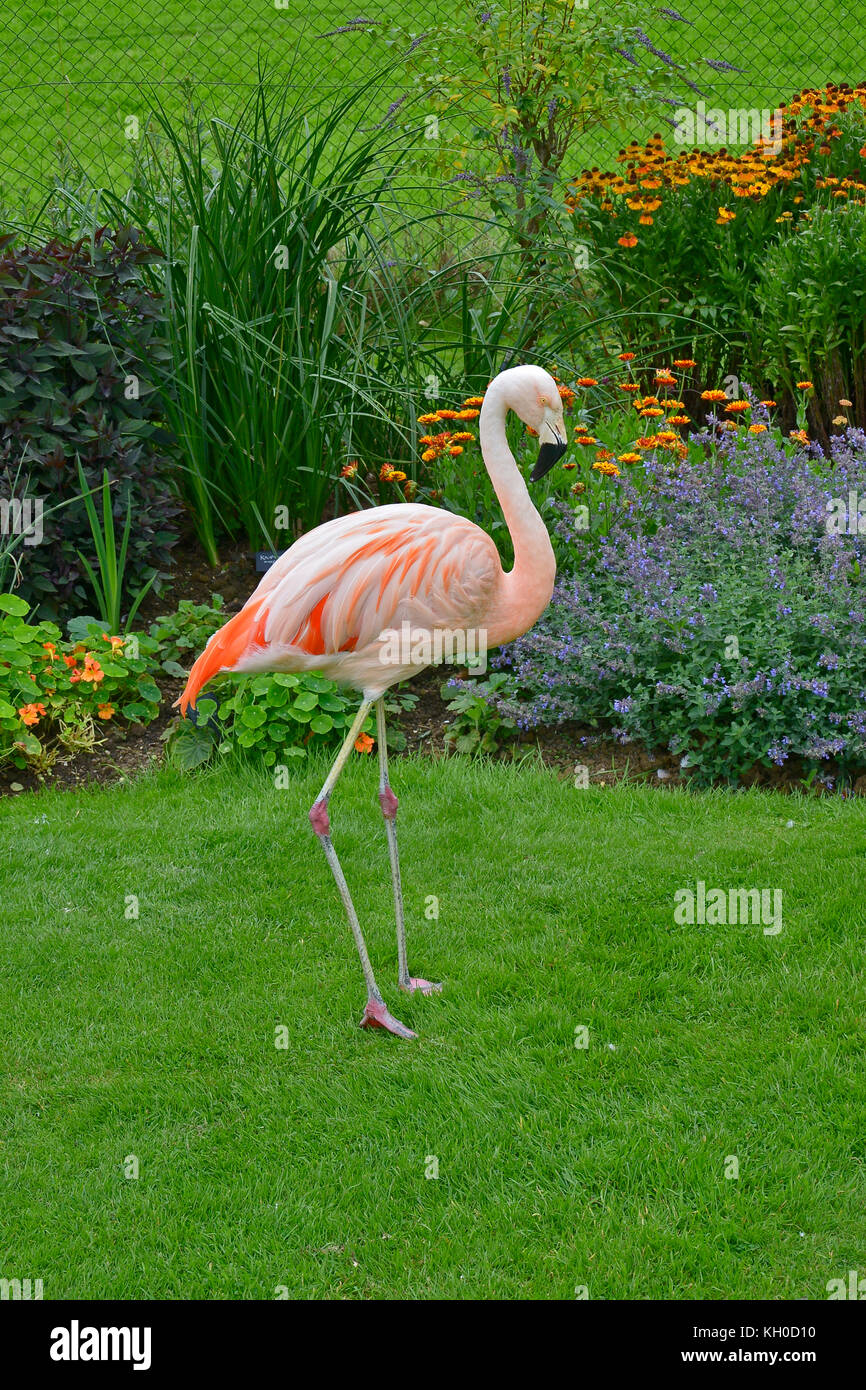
pixel 11 603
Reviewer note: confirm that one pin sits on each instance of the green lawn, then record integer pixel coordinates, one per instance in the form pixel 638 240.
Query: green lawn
pixel 73 70
pixel 305 1167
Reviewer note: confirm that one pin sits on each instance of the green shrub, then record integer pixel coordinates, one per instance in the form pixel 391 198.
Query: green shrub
pixel 182 635
pixel 79 343
pixel 275 719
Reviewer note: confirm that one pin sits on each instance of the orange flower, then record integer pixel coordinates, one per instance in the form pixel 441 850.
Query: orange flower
pixel 363 743
pixel 768 404
pixel 349 469
pixel 626 357
pixel 713 396
pixel 805 386
pixel 685 362
pixel 105 711
pixel 628 240
pixel 70 661
pixel 800 436
pixel 75 676
pixel 629 458
pixel 628 386
pixel 587 381
pixel 737 407
pixel 608 470
pixel 30 714
pixel 678 420
pixel 585 439
pixel 116 642
pixel 92 670
pixel 757 429
pixel 474 400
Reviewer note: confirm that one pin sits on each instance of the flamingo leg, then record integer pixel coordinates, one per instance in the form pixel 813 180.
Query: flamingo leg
pixel 388 802
pixel 376 1014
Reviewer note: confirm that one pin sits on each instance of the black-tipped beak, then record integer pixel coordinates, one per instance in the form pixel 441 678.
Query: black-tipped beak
pixel 548 455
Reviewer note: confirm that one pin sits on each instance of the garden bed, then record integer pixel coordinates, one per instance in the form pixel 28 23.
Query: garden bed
pixel 128 749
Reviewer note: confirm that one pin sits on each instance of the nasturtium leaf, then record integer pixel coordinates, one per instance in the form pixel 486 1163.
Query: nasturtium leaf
pixel 13 604
pixel 306 701
pixel 254 716
pixel 191 747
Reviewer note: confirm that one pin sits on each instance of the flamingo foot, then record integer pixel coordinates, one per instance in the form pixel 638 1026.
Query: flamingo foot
pixel 376 1015
pixel 425 986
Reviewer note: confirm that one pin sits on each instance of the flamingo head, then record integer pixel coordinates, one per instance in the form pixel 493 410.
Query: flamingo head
pixel 534 396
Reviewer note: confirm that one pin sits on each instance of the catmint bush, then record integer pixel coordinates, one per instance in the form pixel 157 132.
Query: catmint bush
pixel 723 617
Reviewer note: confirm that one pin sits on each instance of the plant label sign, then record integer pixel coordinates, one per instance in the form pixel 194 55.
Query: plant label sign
pixel 266 558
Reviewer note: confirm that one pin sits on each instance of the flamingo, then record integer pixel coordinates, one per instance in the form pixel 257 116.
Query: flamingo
pixel 334 600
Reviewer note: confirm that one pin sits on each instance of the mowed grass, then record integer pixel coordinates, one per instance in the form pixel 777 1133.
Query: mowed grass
pixel 74 73
pixel 305 1166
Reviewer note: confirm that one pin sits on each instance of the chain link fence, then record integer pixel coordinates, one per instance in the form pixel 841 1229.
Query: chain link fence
pixel 79 75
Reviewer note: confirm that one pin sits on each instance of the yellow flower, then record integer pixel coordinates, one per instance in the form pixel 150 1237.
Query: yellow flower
pixel 609 470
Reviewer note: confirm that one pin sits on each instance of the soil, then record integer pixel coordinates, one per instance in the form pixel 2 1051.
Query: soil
pixel 126 750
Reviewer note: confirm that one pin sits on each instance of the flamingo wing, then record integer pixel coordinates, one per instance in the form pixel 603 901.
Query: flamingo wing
pixel 339 587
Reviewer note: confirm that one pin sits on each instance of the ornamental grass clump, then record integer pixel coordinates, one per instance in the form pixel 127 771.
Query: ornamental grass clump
pixel 723 617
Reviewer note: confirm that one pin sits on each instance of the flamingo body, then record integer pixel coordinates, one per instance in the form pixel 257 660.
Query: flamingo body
pixel 326 604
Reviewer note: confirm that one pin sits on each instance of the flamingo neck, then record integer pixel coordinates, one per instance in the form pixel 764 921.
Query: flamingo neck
pixel 527 587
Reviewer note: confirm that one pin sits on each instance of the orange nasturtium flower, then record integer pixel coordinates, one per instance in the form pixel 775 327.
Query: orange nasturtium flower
pixel 92 670
pixel 70 661
pixel 105 711
pixel 30 714
pixel 363 743
pixel 116 642
pixel 50 648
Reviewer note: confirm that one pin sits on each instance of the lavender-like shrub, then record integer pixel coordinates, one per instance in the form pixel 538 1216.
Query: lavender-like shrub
pixel 723 617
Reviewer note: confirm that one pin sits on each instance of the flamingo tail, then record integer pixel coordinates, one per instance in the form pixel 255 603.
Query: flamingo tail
pixel 224 650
